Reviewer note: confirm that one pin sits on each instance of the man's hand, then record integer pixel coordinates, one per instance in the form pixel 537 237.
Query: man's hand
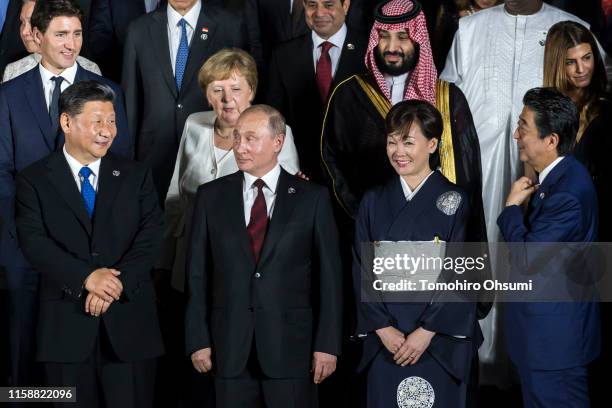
pixel 202 360
pixel 104 283
pixel 520 191
pixel 391 338
pixel 414 346
pixel 323 365
pixel 95 305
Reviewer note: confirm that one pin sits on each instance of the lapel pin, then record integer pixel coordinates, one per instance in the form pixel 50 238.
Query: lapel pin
pixel 350 46
pixel 204 35
pixel 542 42
pixel 542 195
pixel 291 190
pixel 116 173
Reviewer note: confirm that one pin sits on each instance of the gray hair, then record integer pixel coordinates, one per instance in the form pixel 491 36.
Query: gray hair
pixel 276 121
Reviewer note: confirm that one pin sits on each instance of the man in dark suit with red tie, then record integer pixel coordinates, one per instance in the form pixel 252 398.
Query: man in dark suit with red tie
pixel 90 224
pixel 264 279
pixel 303 72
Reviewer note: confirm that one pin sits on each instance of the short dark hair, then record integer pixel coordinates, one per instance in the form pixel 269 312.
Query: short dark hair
pixel 401 117
pixel 46 10
pixel 554 113
pixel 73 99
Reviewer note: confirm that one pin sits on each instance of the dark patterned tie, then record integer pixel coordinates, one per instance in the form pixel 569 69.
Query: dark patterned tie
pixel 54 106
pixel 87 191
pixel 324 71
pixel 259 220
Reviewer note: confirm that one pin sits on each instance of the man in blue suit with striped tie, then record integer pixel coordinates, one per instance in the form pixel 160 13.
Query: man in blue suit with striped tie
pixel 550 343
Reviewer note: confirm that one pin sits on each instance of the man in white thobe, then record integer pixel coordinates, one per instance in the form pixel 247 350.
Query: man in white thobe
pixel 496 56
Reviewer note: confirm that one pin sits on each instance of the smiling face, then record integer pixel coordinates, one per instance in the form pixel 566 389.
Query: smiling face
pixel 579 66
pixel 90 133
pixel 325 17
pixel 229 98
pixel 60 44
pixel 25 28
pixel 533 150
pixel 409 155
pixel 255 147
pixel 395 52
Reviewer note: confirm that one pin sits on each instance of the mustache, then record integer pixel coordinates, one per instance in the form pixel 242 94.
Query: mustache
pixel 394 53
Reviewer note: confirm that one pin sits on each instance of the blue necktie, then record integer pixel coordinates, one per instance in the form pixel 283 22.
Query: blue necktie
pixel 87 191
pixel 181 55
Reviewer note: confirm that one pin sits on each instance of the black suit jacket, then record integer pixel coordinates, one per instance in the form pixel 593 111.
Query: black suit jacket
pixel 156 110
pixel 65 246
pixel 108 23
pixel 289 303
pixel 11 46
pixel 293 90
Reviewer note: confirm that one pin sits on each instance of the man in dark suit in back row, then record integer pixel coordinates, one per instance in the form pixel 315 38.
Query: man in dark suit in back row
pixel 91 225
pixel 30 131
pixel 305 70
pixel 264 277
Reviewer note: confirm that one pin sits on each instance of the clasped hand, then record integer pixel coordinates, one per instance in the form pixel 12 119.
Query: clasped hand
pixel 406 350
pixel 104 287
pixel 520 191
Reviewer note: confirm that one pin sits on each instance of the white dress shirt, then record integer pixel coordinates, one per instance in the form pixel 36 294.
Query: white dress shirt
pixel 174 30
pixel 75 167
pixel 334 52
pixel 249 191
pixel 409 193
pixel 397 85
pixel 49 85
pixel 548 169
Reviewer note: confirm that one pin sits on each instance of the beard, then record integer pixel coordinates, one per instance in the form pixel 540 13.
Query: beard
pixel 406 64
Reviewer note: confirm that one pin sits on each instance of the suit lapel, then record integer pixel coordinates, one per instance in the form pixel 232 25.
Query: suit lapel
pixel 198 47
pixel 35 96
pixel 286 196
pixel 349 58
pixel 233 214
pixel 110 179
pixel 542 193
pixel 161 48
pixel 62 179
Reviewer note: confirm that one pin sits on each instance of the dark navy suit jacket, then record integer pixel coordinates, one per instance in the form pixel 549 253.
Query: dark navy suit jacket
pixel 26 136
pixel 553 335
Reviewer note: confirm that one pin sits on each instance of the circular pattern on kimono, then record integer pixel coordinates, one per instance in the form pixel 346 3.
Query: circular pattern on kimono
pixel 415 392
pixel 449 202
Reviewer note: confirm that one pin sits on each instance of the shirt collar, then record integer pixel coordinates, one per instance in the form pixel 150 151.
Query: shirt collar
pixel 191 17
pixel 68 74
pixel 548 169
pixel 270 178
pixel 76 166
pixel 395 79
pixel 408 193
pixel 336 39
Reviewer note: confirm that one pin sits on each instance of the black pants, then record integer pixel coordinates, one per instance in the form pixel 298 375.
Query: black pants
pixel 103 380
pixel 253 389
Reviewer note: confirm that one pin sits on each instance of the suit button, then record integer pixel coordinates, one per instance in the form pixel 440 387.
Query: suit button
pixel 180 106
pixel 257 275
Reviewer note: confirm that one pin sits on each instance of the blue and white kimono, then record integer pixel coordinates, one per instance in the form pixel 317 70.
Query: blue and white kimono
pixel 439 377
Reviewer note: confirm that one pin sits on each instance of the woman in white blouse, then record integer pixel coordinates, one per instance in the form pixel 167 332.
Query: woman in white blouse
pixel 229 81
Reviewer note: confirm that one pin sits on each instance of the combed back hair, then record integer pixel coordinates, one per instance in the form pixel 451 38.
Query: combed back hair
pixel 276 121
pixel 74 98
pixel 222 64
pixel 403 115
pixel 46 10
pixel 554 113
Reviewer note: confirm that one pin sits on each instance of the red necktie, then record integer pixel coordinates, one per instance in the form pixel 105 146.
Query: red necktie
pixel 324 71
pixel 259 220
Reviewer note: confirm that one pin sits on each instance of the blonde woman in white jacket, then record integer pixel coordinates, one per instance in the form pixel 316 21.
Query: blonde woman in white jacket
pixel 229 81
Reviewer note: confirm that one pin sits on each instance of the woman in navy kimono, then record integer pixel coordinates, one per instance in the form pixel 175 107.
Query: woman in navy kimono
pixel 418 355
